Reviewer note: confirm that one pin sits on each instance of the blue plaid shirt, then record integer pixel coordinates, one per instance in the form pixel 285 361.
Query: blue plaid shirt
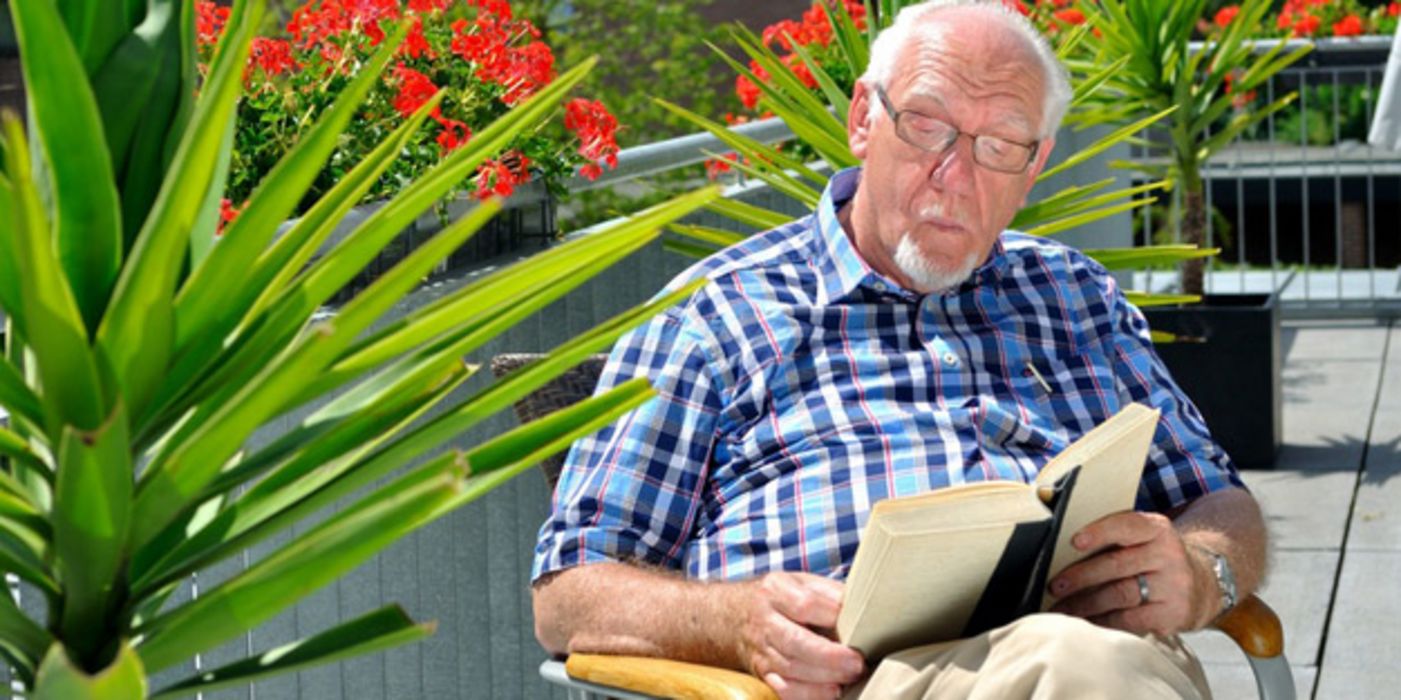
pixel 800 387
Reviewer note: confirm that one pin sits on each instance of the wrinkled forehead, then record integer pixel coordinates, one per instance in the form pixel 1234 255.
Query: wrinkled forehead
pixel 965 56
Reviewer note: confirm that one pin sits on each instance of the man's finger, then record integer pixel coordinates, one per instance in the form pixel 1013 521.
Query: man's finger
pixel 1104 568
pixel 805 655
pixel 808 600
pixel 1121 529
pixel 1120 594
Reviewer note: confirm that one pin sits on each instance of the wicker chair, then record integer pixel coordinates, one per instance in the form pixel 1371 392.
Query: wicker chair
pixel 1252 625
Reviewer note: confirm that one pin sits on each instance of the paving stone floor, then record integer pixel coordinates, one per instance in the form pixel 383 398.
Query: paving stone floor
pixel 1333 505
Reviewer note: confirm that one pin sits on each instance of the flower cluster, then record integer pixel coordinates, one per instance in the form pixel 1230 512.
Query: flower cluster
pixel 1320 18
pixel 1050 16
pixel 596 129
pixel 813 33
pixel 475 53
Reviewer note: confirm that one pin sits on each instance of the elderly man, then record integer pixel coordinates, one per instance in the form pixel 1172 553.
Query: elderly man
pixel 895 341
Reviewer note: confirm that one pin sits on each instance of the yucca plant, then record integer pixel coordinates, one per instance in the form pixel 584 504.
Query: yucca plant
pixel 1206 90
pixel 141 352
pixel 818 119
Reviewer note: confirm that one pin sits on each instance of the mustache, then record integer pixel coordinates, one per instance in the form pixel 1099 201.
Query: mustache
pixel 940 212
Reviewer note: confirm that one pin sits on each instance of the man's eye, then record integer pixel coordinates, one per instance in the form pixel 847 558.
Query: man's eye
pixel 921 124
pixel 995 147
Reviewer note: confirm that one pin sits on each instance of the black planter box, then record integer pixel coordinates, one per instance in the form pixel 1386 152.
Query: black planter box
pixel 1228 362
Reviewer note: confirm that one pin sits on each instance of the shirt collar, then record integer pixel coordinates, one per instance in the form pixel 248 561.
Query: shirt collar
pixel 846 271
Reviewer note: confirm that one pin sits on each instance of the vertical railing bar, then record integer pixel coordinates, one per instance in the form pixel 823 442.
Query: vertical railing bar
pixel 1272 180
pixel 1175 223
pixel 1338 185
pixel 1145 136
pixel 1304 179
pixel 1240 209
pixel 1368 74
pixel 1206 185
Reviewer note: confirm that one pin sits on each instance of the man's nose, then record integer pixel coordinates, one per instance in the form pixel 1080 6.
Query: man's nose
pixel 953 169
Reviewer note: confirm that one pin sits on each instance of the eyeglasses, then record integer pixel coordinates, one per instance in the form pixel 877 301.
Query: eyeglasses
pixel 936 136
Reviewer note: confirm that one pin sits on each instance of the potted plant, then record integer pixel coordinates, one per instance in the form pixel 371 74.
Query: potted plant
pixel 142 349
pixel 1226 355
pixel 481 56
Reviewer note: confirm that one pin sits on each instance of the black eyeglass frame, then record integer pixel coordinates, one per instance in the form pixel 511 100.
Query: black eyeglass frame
pixel 1032 148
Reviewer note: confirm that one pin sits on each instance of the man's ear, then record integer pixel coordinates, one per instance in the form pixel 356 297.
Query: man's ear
pixel 858 121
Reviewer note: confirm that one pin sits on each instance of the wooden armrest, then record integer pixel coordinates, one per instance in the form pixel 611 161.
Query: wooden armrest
pixel 1251 624
pixel 1254 627
pixel 666 678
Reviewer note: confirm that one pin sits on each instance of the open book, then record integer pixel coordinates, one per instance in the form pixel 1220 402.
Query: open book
pixel 959 561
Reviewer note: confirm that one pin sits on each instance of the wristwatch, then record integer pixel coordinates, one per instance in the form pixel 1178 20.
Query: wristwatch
pixel 1225 579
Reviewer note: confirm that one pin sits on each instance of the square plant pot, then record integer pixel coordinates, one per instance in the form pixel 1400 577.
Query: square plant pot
pixel 1227 359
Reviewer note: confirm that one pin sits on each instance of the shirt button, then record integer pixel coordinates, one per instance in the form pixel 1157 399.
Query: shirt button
pixel 880 286
pixel 950 359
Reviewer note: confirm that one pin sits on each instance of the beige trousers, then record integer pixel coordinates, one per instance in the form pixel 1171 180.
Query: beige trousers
pixel 1040 656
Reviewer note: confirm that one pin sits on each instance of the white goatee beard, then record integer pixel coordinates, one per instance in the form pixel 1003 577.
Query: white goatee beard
pixel 923 274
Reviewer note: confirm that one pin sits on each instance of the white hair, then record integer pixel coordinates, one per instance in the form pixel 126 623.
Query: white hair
pixel 907 27
pixel 927 277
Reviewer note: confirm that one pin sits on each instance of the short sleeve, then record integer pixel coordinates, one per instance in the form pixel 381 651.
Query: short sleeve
pixel 1184 462
pixel 631 491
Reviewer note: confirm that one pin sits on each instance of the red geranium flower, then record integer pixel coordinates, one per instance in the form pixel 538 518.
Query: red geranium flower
pixel 1226 15
pixel 272 56
pixel 597 131
pixel 1019 6
pixel 227 213
pixel 209 22
pixel 1350 25
pixel 414 89
pixel 415 44
pixel 1306 25
pixel 500 177
pixel 454 134
pixel 426 6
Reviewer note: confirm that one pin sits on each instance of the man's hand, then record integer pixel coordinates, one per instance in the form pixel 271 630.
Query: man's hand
pixel 781 637
pixel 1104 588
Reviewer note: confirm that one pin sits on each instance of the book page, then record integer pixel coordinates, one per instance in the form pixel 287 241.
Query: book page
pixel 1111 459
pixel 918 582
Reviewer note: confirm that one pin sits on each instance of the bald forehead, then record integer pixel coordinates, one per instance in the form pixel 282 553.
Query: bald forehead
pixel 973 52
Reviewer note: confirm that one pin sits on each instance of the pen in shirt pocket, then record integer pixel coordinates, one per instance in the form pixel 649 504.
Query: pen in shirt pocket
pixel 1031 372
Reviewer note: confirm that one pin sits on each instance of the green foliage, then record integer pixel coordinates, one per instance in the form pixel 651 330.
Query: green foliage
pixel 1207 89
pixel 131 395
pixel 646 49
pixel 1315 122
pixel 482 58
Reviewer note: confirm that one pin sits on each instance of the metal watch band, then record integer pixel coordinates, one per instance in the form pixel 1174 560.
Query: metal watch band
pixel 1225 579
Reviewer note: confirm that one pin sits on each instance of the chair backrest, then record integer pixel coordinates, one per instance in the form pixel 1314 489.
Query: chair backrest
pixel 574 385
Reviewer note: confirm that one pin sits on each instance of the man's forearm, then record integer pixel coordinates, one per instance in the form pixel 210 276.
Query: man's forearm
pixel 622 609
pixel 1229 523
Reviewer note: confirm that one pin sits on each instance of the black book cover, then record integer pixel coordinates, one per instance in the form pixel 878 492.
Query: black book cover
pixel 1017 583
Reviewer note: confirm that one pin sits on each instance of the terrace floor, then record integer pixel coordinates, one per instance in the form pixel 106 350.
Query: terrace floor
pixel 1333 505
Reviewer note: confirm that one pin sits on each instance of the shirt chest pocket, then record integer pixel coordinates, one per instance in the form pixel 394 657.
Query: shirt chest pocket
pixel 1065 390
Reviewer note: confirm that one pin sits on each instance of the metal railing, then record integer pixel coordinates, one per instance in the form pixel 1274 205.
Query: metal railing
pixel 1304 205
